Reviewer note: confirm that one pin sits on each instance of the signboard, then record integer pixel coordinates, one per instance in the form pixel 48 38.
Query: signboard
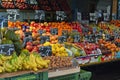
pixel 13 14
pixel 44 39
pixel 54 31
pixel 77 38
pixel 33 2
pixel 28 34
pixel 27 39
pixel 41 32
pixel 6 49
pixel 39 14
pixel 62 39
pixel 45 51
pixel 3 21
pixel 60 15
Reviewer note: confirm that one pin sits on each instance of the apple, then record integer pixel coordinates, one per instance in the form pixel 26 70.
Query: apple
pixel 29 47
pixel 29 43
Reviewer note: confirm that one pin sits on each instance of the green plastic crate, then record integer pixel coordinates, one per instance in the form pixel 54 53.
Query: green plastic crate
pixel 74 76
pixel 2 79
pixel 85 75
pixel 29 76
pixel 43 75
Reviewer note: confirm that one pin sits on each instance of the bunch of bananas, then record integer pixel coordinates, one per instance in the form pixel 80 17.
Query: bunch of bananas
pixel 34 62
pixel 24 61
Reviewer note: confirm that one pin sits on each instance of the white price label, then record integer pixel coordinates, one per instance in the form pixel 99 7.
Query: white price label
pixel 60 15
pixel 13 14
pixel 40 14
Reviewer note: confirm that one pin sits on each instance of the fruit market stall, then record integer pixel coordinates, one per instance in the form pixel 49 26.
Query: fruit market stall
pixel 34 51
pixel 50 49
pixel 56 46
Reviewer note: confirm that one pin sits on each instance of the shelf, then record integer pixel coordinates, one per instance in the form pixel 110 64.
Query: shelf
pixel 63 72
pixel 97 63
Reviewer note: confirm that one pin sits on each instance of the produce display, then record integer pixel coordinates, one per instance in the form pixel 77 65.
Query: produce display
pixel 21 4
pixel 115 22
pixel 25 61
pixel 59 62
pixel 8 4
pixel 35 46
pixel 56 45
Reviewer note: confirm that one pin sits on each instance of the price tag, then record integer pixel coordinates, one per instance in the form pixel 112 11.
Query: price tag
pixel 101 32
pixel 13 14
pixel 27 34
pixel 41 32
pixel 3 21
pixel 94 29
pixel 64 32
pixel 45 51
pixel 77 38
pixel 27 39
pixel 54 31
pixel 33 2
pixel 60 15
pixel 62 39
pixel 44 39
pixel 39 14
pixel 6 49
pixel 107 36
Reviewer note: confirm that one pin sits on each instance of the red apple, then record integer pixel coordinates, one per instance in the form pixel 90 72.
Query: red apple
pixel 28 47
pixel 29 43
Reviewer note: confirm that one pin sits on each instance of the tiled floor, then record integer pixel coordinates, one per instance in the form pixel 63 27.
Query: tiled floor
pixel 107 71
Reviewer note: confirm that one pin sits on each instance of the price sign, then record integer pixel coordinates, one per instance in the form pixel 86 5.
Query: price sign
pixel 117 34
pixel 62 39
pixel 27 39
pixel 44 39
pixel 45 51
pixel 101 32
pixel 41 32
pixel 77 38
pixel 54 31
pixel 97 36
pixel 33 2
pixel 65 32
pixel 6 49
pixel 39 14
pixel 107 36
pixel 74 31
pixel 3 21
pixel 94 29
pixel 13 14
pixel 60 15
pixel 28 34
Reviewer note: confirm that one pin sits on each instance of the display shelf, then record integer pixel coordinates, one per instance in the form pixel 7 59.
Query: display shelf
pixel 97 63
pixel 63 72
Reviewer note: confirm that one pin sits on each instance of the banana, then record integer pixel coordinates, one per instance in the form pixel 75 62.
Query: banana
pixel 7 65
pixel 38 60
pixel 39 66
pixel 5 58
pixel 1 62
pixel 1 69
